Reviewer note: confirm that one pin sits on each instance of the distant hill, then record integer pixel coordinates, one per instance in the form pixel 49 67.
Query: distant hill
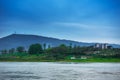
pixel 15 40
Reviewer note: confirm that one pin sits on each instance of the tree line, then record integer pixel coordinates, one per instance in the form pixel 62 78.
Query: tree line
pixel 62 51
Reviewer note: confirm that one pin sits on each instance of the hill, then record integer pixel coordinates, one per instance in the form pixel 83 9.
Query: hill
pixel 15 40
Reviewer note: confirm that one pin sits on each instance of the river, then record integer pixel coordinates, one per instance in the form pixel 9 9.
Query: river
pixel 59 71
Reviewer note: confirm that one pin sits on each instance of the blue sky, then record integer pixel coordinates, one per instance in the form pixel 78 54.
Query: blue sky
pixel 78 20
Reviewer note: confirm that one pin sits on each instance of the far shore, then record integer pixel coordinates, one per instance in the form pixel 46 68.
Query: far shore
pixel 116 60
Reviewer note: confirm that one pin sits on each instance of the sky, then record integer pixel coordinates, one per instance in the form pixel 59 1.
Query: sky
pixel 78 20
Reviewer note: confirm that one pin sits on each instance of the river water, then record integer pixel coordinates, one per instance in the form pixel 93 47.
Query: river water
pixel 59 71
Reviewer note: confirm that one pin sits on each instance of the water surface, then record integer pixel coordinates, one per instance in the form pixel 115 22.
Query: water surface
pixel 59 71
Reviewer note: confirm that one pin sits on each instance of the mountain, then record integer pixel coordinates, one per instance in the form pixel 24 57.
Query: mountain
pixel 15 40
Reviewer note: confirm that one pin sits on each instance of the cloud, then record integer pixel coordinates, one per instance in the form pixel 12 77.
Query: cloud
pixel 90 19
pixel 93 31
pixel 80 25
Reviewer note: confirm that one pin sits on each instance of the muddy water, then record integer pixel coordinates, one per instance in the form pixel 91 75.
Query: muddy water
pixel 59 71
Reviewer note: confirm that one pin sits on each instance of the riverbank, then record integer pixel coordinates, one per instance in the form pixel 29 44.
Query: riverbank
pixel 23 57
pixel 63 60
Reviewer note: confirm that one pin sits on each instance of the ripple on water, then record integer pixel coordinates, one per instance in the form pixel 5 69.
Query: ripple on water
pixel 17 72
pixel 21 76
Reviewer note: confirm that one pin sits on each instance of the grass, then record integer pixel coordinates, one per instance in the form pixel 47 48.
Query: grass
pixel 24 57
pixel 95 60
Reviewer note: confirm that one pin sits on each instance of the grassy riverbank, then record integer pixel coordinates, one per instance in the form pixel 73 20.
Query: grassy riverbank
pixel 24 57
pixel 33 60
pixel 65 60
pixel 61 53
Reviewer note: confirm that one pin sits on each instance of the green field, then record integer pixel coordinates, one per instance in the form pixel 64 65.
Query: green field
pixel 24 57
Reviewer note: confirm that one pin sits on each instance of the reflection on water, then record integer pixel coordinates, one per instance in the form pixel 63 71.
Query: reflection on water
pixel 59 71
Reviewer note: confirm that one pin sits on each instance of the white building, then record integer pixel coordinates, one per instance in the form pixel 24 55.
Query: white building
pixel 101 46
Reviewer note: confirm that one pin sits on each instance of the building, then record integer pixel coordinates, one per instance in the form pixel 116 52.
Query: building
pixel 101 46
pixel 104 46
pixel 97 45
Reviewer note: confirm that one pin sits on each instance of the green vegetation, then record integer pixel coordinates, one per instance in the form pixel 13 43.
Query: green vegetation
pixel 35 49
pixel 61 53
pixel 20 49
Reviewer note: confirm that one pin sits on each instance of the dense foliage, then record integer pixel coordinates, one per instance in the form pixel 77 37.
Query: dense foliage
pixel 35 49
pixel 20 49
pixel 61 52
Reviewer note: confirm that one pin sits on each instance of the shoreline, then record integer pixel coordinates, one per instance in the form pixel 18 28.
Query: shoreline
pixel 93 60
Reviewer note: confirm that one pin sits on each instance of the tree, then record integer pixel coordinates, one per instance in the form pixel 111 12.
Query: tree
pixel 4 51
pixel 35 49
pixel 70 48
pixel 62 49
pixel 58 52
pixel 12 50
pixel 44 46
pixel 77 50
pixel 20 49
pixel 49 46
